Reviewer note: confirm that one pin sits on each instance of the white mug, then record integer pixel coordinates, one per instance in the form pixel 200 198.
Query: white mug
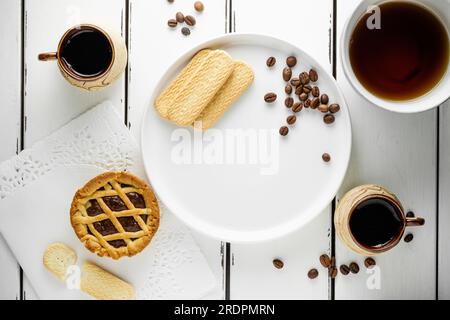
pixel 433 98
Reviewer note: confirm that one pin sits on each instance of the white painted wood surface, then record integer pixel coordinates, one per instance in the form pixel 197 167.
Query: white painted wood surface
pixel 10 110
pixel 299 251
pixel 397 151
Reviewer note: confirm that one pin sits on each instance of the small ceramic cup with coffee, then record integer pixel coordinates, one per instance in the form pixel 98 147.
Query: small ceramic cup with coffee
pixel 370 220
pixel 89 57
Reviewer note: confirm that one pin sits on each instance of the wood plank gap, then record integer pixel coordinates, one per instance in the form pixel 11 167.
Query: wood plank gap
pixel 438 131
pixel 126 20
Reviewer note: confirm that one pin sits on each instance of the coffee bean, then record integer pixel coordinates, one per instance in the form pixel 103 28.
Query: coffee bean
pixel 304 78
pixel 190 21
pixel 170 1
pixel 307 88
pixel 270 97
pixel 297 107
pixel 303 96
pixel 315 91
pixel 369 262
pixel 288 89
pixel 180 17
pixel 325 260
pixel 287 74
pixel 324 98
pixel 291 61
pixel 198 6
pixel 313 273
pixel 323 108
pixel 277 263
pixel 307 103
pixel 326 157
pixel 284 130
pixel 328 118
pixel 354 268
pixel 332 272
pixel 410 214
pixel 291 119
pixel 315 102
pixel 345 270
pixel 313 76
pixel 185 31
pixel 288 102
pixel 334 108
pixel 295 82
pixel 271 61
pixel 299 90
pixel 172 23
pixel 408 237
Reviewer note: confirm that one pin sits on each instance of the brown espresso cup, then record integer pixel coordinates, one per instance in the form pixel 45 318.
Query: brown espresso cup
pixel 370 220
pixel 89 57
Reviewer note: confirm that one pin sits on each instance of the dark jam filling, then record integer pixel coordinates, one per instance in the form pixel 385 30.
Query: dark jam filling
pixel 115 203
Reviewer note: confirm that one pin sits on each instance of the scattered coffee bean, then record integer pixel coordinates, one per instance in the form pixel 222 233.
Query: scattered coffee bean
pixel 190 20
pixel 288 89
pixel 198 6
pixel 326 157
pixel 323 108
pixel 179 17
pixel 291 61
pixel 332 272
pixel 334 108
pixel 295 81
pixel 307 88
pixel 297 107
pixel 315 91
pixel 345 270
pixel 313 76
pixel 299 90
pixel 369 262
pixel 315 102
pixel 270 97
pixel 324 99
pixel 328 118
pixel 308 103
pixel 303 96
pixel 287 74
pixel 172 23
pixel 313 273
pixel 291 119
pixel 408 237
pixel 271 61
pixel 277 263
pixel 304 78
pixel 410 214
pixel 284 130
pixel 289 102
pixel 354 268
pixel 170 1
pixel 185 31
pixel 325 260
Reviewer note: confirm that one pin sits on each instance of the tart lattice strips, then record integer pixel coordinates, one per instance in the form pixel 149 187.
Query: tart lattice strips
pixel 115 214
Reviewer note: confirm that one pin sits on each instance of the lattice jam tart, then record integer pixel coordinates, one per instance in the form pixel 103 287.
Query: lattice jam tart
pixel 115 214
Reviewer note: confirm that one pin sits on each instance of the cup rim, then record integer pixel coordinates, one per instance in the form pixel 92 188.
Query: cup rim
pixel 393 242
pixel 421 103
pixel 70 72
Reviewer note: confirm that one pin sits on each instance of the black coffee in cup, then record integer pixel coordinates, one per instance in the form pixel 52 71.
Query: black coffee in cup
pixel 376 222
pixel 406 57
pixel 86 52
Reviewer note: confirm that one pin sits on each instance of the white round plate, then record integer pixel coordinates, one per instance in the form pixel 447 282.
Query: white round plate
pixel 259 185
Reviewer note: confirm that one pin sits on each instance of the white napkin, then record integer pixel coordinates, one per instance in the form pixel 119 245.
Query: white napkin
pixel 36 190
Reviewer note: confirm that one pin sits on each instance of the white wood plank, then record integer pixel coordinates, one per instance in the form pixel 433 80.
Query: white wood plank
pixel 153 47
pixel 252 273
pixel 399 152
pixel 10 114
pixel 50 101
pixel 444 203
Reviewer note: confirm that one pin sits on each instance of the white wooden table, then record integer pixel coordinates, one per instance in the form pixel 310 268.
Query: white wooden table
pixel 409 154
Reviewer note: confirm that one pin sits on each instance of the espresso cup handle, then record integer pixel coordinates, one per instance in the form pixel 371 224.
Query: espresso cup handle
pixel 48 56
pixel 414 221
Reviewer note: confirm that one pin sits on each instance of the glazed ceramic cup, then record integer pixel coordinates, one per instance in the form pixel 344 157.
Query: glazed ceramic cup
pixel 116 66
pixel 346 208
pixel 435 97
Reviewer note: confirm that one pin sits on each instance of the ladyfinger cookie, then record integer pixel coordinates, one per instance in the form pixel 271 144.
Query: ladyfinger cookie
pixel 238 82
pixel 58 257
pixel 165 100
pixel 204 83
